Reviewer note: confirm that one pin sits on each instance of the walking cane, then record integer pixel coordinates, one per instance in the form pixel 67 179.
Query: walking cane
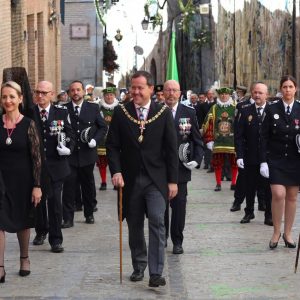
pixel 297 256
pixel 120 227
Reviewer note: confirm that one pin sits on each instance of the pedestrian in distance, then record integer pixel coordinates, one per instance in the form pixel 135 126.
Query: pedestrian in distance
pixel 142 156
pixel 280 159
pixel 20 166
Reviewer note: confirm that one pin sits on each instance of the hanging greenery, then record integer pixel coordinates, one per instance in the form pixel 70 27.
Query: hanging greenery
pixel 202 38
pixel 157 20
pixel 109 57
pixel 187 13
pixel 100 12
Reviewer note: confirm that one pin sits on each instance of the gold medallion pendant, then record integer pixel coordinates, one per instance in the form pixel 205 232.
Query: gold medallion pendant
pixel 140 138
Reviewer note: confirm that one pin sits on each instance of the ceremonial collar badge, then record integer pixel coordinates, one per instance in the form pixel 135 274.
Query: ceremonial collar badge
pixel 250 118
pixel 276 116
pixel 296 124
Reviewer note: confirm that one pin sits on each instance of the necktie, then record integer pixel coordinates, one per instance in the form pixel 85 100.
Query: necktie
pixel 288 110
pixel 141 114
pixel 76 110
pixel 259 115
pixel 43 115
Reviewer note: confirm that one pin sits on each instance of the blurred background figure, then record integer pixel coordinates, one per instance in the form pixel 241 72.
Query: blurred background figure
pixel 241 93
pixel 62 98
pixel 89 89
pixel 159 93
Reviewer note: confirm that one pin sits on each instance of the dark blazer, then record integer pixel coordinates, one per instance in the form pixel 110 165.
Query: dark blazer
pixel 157 154
pixel 238 109
pixel 194 138
pixel 278 145
pixel 89 116
pixel 247 136
pixel 57 167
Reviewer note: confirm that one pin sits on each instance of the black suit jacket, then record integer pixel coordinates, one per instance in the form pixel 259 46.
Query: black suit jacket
pixel 89 116
pixel 278 144
pixel 56 166
pixel 194 138
pixel 157 154
pixel 247 136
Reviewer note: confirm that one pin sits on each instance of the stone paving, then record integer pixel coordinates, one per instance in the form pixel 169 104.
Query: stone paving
pixel 223 259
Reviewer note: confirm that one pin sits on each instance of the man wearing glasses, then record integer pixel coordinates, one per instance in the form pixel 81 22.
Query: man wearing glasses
pixel 52 123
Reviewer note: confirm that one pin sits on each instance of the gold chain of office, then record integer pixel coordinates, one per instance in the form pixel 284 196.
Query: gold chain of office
pixel 140 122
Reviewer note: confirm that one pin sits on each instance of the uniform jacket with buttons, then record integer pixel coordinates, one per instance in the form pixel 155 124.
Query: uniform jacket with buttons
pixel 278 144
pixel 89 116
pixel 57 167
pixel 247 134
pixel 194 138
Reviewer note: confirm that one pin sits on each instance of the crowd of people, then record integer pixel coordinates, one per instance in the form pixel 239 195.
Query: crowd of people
pixel 151 139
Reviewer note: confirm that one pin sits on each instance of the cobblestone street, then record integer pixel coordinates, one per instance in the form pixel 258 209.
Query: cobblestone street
pixel 223 259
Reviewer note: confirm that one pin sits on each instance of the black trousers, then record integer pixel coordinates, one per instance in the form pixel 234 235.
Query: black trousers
pixel 41 217
pixel 256 182
pixel 55 213
pixel 85 177
pixel 240 188
pixel 178 206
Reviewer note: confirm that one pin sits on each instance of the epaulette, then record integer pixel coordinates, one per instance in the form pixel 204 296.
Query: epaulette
pixel 246 105
pixel 273 102
pixel 60 106
pixel 298 101
pixel 187 106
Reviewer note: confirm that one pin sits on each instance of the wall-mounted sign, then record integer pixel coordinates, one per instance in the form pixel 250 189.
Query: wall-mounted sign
pixel 79 31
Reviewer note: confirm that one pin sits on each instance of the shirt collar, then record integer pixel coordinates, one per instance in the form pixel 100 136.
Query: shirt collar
pixel 263 106
pixel 147 106
pixel 286 105
pixel 174 108
pixel 47 109
pixel 75 104
pixel 252 101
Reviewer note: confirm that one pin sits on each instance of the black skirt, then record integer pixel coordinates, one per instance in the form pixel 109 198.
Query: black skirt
pixel 284 172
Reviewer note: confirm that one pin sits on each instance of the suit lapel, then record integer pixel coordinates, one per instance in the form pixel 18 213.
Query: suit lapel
pixel 83 109
pixel 51 114
pixel 177 115
pixel 133 126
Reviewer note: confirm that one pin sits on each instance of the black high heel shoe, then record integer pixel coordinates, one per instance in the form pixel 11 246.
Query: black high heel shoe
pixel 2 279
pixel 287 243
pixel 273 245
pixel 24 273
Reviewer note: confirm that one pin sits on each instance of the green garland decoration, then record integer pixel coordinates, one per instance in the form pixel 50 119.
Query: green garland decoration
pixel 99 11
pixel 187 12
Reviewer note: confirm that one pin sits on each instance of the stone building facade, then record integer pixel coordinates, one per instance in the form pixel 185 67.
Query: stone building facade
pixel 82 44
pixel 31 39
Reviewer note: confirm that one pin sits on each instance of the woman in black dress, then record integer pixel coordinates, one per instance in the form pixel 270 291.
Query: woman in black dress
pixel 281 159
pixel 20 166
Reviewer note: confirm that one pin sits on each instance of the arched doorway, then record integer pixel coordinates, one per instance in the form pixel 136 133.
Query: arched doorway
pixel 153 70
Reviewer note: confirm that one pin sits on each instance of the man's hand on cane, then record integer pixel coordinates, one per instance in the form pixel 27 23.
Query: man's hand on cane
pixel 117 180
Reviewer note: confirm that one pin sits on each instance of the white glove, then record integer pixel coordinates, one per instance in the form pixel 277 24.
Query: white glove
pixel 240 163
pixel 62 149
pixel 92 143
pixel 210 145
pixel 191 165
pixel 264 170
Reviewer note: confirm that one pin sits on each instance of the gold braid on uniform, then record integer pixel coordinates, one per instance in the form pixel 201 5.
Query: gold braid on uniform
pixel 142 123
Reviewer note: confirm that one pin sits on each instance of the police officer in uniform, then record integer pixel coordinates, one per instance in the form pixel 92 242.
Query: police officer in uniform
pixel 187 132
pixel 247 137
pixel 280 159
pixel 83 115
pixel 52 123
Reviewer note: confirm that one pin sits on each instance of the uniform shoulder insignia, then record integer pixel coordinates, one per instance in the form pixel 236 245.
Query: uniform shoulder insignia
pixel 246 105
pixel 60 106
pixel 298 101
pixel 187 106
pixel 273 102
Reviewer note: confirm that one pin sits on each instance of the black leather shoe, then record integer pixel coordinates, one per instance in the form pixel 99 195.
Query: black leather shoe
pixel 67 224
pixel 95 209
pixel 156 281
pixel 218 188
pixel 39 239
pixel 235 207
pixel 210 170
pixel 205 167
pixel 287 243
pixel 177 249
pixel 137 276
pixel 268 221
pixel 232 187
pixel 58 248
pixel 103 186
pixel 78 208
pixel 247 218
pixel 90 220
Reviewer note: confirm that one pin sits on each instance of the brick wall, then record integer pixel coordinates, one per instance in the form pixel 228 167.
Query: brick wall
pixel 5 45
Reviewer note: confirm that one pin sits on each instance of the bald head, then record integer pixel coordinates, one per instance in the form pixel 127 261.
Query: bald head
pixel 43 93
pixel 259 93
pixel 171 92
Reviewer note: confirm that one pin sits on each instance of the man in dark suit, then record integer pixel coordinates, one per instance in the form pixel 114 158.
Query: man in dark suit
pixel 83 115
pixel 52 121
pixel 187 128
pixel 247 139
pixel 142 156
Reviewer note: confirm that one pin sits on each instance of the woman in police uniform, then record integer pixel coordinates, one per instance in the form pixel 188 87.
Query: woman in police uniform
pixel 280 159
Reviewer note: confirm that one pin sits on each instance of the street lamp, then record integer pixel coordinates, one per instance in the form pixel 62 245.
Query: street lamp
pixel 145 24
pixel 118 36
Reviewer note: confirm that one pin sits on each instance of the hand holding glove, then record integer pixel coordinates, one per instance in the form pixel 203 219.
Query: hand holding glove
pixel 62 149
pixel 92 143
pixel 191 165
pixel 240 163
pixel 264 170
pixel 210 145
